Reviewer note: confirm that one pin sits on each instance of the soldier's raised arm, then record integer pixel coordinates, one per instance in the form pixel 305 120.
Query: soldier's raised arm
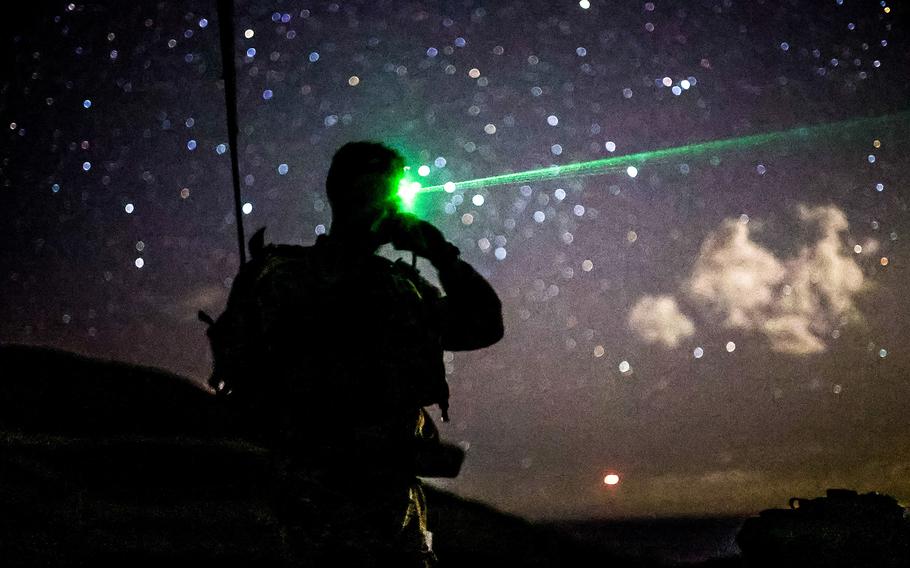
pixel 470 312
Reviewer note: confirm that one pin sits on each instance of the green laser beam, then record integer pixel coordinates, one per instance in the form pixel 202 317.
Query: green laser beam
pixel 630 162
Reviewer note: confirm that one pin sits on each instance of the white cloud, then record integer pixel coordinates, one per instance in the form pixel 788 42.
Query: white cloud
pixel 739 284
pixel 734 277
pixel 792 334
pixel 825 277
pixel 657 319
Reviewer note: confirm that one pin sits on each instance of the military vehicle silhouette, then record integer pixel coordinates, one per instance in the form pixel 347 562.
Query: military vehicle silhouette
pixel 839 530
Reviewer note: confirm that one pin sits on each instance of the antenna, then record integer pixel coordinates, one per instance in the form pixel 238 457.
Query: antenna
pixel 229 74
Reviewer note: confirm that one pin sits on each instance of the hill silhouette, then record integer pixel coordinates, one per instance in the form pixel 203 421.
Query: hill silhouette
pixel 109 462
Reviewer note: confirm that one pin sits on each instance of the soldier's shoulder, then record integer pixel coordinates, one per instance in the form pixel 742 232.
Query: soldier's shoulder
pixel 285 260
pixel 288 251
pixel 260 251
pixel 277 261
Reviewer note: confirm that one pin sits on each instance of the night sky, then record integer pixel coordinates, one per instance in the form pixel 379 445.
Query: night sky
pixel 722 331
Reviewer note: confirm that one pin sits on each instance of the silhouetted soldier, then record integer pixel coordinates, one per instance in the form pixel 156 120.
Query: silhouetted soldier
pixel 345 353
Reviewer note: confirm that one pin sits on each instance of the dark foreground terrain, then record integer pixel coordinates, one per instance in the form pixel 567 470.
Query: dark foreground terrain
pixel 108 462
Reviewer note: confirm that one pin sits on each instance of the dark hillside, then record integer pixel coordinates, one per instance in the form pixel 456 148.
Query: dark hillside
pixel 46 390
pixel 108 462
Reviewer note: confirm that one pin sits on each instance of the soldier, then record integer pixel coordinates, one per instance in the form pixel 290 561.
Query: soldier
pixel 345 352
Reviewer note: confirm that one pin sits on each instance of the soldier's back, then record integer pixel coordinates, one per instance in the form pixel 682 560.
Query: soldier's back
pixel 351 353
pixel 342 334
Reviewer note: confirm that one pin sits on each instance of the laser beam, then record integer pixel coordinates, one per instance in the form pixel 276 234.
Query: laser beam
pixel 631 163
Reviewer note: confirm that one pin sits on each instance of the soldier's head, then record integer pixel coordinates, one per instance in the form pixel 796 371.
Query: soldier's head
pixel 362 186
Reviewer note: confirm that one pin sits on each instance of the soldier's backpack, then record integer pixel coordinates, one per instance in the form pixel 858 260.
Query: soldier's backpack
pixel 240 344
pixel 243 339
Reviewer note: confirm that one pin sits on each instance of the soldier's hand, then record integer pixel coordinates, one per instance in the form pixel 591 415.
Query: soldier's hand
pixel 409 232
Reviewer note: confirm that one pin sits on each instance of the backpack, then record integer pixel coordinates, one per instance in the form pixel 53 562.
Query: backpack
pixel 242 346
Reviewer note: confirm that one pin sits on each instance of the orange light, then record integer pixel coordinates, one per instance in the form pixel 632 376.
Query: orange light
pixel 611 479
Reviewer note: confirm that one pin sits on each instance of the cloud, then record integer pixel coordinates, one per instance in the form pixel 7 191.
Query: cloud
pixel 738 284
pixel 657 319
pixel 824 277
pixel 821 285
pixel 792 334
pixel 734 277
